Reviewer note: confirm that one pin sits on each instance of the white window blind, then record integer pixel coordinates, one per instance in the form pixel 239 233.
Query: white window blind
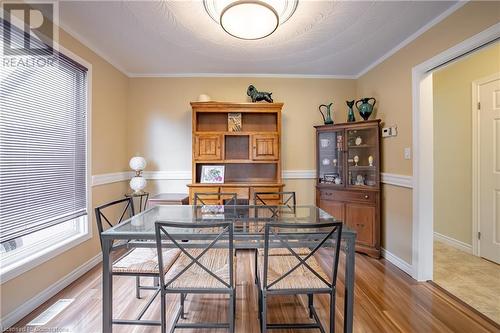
pixel 42 142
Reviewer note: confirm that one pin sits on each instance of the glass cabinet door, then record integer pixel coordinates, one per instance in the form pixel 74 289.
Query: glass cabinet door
pixel 331 157
pixel 362 157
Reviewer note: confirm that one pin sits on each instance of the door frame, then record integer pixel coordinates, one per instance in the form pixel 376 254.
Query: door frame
pixel 423 149
pixel 476 162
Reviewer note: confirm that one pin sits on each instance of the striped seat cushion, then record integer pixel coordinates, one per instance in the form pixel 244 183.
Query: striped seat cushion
pixel 144 261
pixel 215 260
pixel 300 278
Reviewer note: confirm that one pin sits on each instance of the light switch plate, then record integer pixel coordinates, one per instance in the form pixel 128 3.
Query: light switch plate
pixel 386 131
pixel 407 153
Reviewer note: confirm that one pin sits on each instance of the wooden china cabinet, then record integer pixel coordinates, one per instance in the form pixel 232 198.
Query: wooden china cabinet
pixel 251 155
pixel 348 183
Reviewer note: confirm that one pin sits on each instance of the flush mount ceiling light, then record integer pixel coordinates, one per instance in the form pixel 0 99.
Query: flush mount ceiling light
pixel 250 19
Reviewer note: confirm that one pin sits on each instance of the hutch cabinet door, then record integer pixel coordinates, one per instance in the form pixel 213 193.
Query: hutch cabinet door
pixel 361 218
pixel 330 154
pixel 334 208
pixel 363 157
pixel 207 147
pixel 265 147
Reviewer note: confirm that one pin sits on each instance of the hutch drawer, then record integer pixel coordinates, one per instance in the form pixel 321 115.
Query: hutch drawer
pixel 360 196
pixel 241 192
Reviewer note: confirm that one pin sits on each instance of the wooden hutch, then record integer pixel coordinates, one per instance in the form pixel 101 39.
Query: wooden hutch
pixel 348 183
pixel 251 156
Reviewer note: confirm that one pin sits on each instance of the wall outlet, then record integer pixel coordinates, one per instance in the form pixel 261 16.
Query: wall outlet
pixel 394 131
pixel 407 153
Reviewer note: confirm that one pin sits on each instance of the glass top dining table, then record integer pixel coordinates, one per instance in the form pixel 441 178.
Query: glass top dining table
pixel 248 225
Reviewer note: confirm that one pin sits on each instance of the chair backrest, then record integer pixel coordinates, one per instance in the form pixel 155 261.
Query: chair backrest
pixel 124 207
pixel 293 237
pixel 228 199
pixel 219 235
pixel 285 198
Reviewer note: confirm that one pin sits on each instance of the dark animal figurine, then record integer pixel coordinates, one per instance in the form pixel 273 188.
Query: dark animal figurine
pixel 258 96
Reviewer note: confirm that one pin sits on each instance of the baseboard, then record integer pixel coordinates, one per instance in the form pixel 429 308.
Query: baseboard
pixel 398 262
pixel 453 242
pixel 26 308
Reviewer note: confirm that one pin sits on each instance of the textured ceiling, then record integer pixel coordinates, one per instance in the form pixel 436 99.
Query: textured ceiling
pixel 178 37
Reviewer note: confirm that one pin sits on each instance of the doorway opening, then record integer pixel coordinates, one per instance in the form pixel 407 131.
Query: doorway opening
pixel 467 179
pixel 442 199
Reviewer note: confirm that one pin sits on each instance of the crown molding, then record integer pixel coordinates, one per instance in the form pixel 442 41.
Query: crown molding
pixel 249 75
pixel 85 42
pixel 414 36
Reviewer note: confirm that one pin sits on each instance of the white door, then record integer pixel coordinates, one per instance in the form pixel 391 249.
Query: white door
pixel 489 169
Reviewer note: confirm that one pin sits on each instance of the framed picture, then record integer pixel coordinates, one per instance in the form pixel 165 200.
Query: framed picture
pixel 234 121
pixel 212 174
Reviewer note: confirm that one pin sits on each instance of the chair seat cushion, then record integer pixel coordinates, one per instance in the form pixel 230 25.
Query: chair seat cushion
pixel 300 278
pixel 215 260
pixel 145 261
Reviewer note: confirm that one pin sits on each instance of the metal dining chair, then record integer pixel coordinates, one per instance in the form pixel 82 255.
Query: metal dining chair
pixel 207 270
pixel 294 270
pixel 135 262
pixel 207 198
pixel 288 199
pixel 285 198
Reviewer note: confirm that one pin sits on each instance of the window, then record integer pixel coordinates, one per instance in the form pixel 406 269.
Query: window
pixel 43 154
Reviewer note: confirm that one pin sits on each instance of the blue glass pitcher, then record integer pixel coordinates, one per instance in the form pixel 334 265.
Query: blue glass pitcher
pixel 365 108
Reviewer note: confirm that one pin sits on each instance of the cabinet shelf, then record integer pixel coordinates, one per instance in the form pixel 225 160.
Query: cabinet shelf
pixel 362 167
pixel 361 146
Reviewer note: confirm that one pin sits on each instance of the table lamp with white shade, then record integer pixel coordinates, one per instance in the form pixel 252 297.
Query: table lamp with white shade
pixel 138 182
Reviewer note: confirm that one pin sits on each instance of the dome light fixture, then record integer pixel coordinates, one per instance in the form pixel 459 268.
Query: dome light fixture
pixel 250 19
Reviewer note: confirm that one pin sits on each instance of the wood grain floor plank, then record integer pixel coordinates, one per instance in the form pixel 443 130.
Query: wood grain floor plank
pixel 386 300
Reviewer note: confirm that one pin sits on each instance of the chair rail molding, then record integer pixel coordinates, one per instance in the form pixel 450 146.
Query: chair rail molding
pixel 396 179
pixel 108 178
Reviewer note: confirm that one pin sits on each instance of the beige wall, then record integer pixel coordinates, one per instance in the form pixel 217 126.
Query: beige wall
pixel 453 141
pixel 109 91
pixel 159 125
pixel 390 83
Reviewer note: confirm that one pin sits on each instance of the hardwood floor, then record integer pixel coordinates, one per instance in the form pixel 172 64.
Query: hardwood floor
pixel 386 300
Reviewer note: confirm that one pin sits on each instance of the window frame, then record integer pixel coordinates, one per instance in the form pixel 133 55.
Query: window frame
pixel 39 256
